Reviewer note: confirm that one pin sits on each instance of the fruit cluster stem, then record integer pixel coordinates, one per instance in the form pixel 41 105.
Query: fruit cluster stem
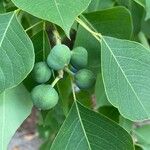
pixel 56 35
pixel 60 76
pixel 68 71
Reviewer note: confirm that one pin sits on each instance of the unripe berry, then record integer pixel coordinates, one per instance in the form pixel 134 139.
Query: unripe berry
pixel 41 72
pixel 84 79
pixel 59 57
pixel 79 57
pixel 44 97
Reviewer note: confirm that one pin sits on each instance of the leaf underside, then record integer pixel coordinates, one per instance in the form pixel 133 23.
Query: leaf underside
pixel 62 13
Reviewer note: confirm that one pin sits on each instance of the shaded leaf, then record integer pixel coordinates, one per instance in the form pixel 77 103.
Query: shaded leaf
pixel 2 8
pixel 96 5
pixel 106 22
pixel 101 98
pixel 110 111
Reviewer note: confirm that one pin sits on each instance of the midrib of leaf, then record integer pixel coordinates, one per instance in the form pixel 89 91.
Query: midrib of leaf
pixel 80 120
pixel 82 125
pixel 125 77
pixel 56 5
pixel 5 32
pixel 4 119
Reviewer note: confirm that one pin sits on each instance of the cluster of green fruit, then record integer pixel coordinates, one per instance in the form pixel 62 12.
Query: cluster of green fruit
pixel 44 96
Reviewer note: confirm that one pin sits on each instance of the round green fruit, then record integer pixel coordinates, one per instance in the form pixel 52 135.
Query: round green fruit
pixel 84 79
pixel 59 57
pixel 41 72
pixel 44 96
pixel 79 57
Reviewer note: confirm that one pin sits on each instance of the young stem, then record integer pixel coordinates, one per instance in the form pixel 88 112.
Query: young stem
pixel 60 76
pixel 56 35
pixel 68 71
pixel 143 40
pixel 33 26
pixel 17 11
pixel 88 23
pixel 95 34
pixel 55 81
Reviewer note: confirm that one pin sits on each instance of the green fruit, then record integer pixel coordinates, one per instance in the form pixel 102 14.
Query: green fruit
pixel 44 97
pixel 79 57
pixel 84 79
pixel 59 57
pixel 41 72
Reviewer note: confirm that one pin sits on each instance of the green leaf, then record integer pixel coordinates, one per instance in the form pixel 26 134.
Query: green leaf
pixel 140 2
pixel 147 9
pixel 110 111
pixel 126 76
pixel 64 89
pixel 126 124
pixel 16 52
pixel 136 12
pixel 87 130
pixel 2 9
pixel 62 13
pixel 101 98
pixel 15 106
pixel 96 5
pixel 142 135
pixel 138 147
pixel 106 22
pixel 41 45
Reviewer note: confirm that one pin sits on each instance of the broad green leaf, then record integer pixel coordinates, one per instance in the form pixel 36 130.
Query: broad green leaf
pixel 126 76
pixel 106 22
pixel 16 52
pixel 62 13
pixel 126 124
pixel 96 5
pixel 101 98
pixel 15 106
pixel 136 12
pixel 147 7
pixel 87 130
pixel 142 134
